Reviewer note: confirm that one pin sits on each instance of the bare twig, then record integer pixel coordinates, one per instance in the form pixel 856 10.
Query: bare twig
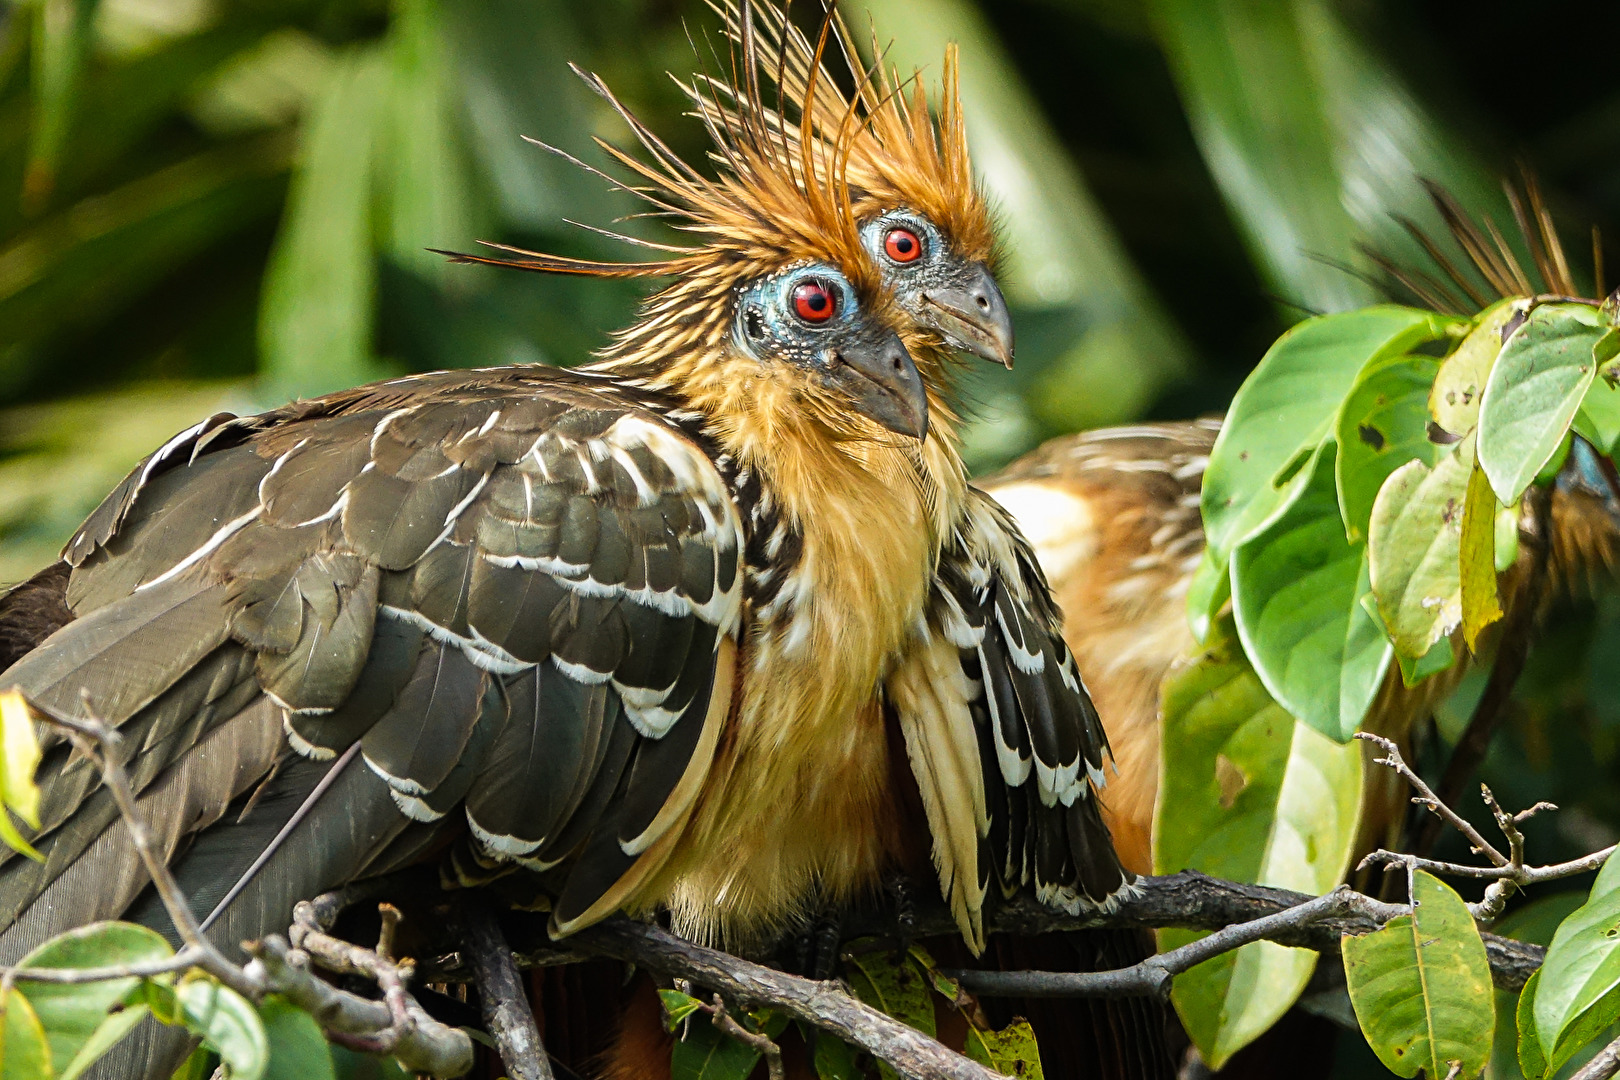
pixel 180 961
pixel 309 935
pixel 1426 797
pixel 824 1004
pixel 1605 1065
pixel 506 1009
pixel 398 1025
pixel 424 1046
pixel 1509 874
pixel 105 747
pixel 1186 900
pixel 1152 977
pixel 724 1021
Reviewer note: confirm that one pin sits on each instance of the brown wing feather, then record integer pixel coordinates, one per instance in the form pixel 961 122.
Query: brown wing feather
pixel 404 564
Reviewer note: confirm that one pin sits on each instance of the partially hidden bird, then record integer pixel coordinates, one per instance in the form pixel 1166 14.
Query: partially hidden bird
pixel 1114 516
pixel 642 629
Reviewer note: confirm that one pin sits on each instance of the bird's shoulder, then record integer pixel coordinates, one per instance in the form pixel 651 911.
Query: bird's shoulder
pixel 528 463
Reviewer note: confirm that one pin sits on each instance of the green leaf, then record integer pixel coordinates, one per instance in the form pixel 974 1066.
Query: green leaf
pixel 424 192
pixel 1249 795
pixel 1314 141
pixel 1598 420
pixel 298 1050
pixel 1433 662
pixel 316 313
pixel 892 983
pixel 1535 388
pixel 1296 588
pixel 1211 588
pixel 1590 1032
pixel 26 1052
pixel 228 1024
pixel 1012 1051
pixel 1421 985
pixel 1414 537
pixel 707 1053
pixel 79 1018
pixel 834 1058
pixel 1286 408
pixel 1532 1060
pixel 1583 962
pixel 1454 399
pixel 1383 424
pixel 197 1066
pixel 1517 1051
pixel 677 1007
pixel 1476 553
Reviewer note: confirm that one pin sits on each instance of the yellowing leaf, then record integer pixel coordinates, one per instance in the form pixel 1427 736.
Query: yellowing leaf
pixel 1477 558
pixel 1012 1051
pixel 1415 537
pixel 24 1052
pixel 19 757
pixel 1454 399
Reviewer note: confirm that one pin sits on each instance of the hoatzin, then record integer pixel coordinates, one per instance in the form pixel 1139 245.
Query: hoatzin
pixel 637 629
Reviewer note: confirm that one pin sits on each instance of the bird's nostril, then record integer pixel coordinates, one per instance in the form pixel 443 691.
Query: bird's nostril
pixel 983 302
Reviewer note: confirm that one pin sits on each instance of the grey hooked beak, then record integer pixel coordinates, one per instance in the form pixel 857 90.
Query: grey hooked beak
pixel 974 317
pixel 883 379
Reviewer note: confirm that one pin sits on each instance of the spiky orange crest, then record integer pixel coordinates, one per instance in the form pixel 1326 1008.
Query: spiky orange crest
pixel 779 200
pixel 900 153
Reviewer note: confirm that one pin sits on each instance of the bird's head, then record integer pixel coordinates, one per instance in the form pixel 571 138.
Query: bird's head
pixel 922 218
pixel 938 286
pixel 809 327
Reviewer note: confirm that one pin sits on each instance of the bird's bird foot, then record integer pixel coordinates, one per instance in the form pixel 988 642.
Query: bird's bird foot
pixel 816 950
pixel 903 898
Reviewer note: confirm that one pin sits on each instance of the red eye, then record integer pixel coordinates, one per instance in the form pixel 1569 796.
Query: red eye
pixel 814 302
pixel 902 245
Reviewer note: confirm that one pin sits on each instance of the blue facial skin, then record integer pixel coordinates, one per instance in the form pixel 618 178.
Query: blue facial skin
pixel 955 297
pixel 846 349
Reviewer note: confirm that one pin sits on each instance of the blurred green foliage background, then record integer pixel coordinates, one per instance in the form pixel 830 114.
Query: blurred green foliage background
pixel 215 205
